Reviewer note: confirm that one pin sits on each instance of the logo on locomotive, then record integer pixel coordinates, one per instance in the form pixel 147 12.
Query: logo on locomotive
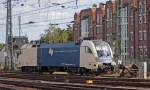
pixel 51 51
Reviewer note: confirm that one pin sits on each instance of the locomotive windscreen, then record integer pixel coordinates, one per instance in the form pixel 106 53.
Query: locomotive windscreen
pixel 104 51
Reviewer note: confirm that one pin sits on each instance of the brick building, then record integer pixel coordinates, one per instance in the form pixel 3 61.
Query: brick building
pixel 97 22
pixel 132 28
pixel 148 36
pixel 125 29
pixel 124 24
pixel 76 28
pixel 100 22
pixel 142 29
pixel 90 23
pixel 110 26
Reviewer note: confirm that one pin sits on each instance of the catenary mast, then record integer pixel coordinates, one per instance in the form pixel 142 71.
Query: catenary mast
pixel 9 39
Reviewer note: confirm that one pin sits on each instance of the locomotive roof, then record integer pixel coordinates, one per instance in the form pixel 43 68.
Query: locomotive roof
pixel 100 42
pixel 58 45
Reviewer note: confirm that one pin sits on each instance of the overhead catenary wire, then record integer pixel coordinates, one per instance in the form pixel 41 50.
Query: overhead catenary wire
pixel 60 9
pixel 57 10
pixel 72 7
pixel 32 11
pixel 43 9
pixel 35 30
pixel 54 9
pixel 37 9
pixel 27 23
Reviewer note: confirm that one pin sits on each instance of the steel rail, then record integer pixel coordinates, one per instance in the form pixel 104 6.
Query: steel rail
pixel 139 83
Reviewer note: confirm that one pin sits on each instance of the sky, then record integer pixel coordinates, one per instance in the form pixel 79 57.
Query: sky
pixel 43 13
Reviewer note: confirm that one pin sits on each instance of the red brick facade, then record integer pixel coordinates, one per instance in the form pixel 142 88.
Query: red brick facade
pixel 76 28
pixel 148 28
pixel 103 25
pixel 97 26
pixel 110 22
pixel 138 25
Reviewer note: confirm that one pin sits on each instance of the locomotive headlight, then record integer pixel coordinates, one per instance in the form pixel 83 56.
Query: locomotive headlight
pixel 98 61
pixel 100 64
pixel 113 63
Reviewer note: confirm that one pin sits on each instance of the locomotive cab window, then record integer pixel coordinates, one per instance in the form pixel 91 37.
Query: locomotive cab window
pixel 88 50
pixel 103 50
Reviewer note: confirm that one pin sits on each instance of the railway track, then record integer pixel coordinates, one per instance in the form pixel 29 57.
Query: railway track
pixel 46 85
pixel 76 82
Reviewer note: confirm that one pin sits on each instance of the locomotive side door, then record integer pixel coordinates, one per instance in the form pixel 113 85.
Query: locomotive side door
pixel 87 58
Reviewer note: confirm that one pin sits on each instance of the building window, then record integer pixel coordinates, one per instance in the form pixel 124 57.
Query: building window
pixel 98 28
pixel 144 7
pixel 131 36
pixel 141 52
pixel 111 23
pixel 109 18
pixel 98 17
pixel 107 24
pixel 109 38
pixel 140 35
pixel 108 13
pixel 145 52
pixel 126 11
pixel 132 52
pixel 144 35
pixel 140 19
pixel 85 26
pixel 126 50
pixel 140 7
pixel 131 18
pixel 144 19
pixel 101 20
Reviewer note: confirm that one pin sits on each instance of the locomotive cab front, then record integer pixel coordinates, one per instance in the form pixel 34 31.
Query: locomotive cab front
pixel 104 55
pixel 104 52
pixel 95 54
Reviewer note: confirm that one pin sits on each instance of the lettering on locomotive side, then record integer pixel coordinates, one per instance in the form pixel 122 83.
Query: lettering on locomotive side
pixel 71 51
pixel 51 51
pixel 67 64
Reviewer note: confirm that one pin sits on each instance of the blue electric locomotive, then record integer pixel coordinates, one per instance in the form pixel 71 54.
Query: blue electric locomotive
pixel 88 57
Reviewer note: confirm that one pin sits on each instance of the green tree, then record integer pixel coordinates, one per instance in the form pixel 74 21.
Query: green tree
pixel 57 35
pixel 1 46
pixel 70 32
